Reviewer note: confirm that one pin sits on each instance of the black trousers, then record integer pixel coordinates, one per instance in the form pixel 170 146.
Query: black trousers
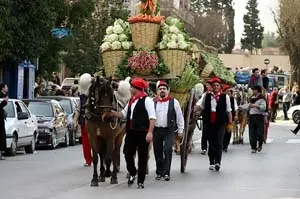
pixel 163 141
pixel 215 140
pixel 286 107
pixel 136 141
pixel 2 136
pixel 204 137
pixel 226 140
pixel 256 130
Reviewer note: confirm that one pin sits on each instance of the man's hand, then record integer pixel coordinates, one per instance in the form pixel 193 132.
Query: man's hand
pixel 180 133
pixel 149 137
pixel 229 127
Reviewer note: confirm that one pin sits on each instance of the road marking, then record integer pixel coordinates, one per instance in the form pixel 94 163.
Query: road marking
pixel 293 141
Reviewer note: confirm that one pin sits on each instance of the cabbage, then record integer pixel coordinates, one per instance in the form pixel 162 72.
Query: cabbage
pixel 174 29
pixel 162 45
pixel 174 37
pixel 172 44
pixel 111 38
pixel 172 21
pixel 118 29
pixel 123 37
pixel 105 46
pixel 126 45
pixel 180 37
pixel 165 38
pixel 116 45
pixel 109 30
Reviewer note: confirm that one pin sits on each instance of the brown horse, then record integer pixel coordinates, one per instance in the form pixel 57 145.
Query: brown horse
pixel 105 136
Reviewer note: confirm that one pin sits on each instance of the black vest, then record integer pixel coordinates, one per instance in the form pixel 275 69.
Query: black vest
pixel 140 117
pixel 171 116
pixel 232 106
pixel 221 109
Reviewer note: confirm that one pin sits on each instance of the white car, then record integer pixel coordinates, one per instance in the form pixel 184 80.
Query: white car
pixel 294 112
pixel 21 127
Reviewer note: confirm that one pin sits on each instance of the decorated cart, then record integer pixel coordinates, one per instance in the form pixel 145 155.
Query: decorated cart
pixel 157 48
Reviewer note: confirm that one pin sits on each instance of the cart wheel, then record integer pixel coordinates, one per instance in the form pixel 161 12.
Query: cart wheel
pixel 184 148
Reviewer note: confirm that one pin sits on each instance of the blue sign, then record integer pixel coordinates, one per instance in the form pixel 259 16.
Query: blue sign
pixel 61 32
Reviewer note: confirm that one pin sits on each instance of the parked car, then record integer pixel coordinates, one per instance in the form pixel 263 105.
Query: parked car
pixel 67 84
pixel 294 113
pixel 71 107
pixel 21 127
pixel 52 122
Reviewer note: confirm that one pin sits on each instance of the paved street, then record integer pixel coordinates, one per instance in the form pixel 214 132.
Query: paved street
pixel 60 174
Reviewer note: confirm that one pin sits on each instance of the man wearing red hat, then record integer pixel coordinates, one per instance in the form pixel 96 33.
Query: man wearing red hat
pixel 234 106
pixel 216 111
pixel 169 118
pixel 140 115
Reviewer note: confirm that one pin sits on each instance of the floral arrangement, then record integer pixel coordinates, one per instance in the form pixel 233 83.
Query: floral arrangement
pixel 118 37
pixel 143 60
pixel 173 35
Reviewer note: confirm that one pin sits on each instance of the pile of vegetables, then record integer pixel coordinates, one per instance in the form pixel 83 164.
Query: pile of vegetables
pixel 173 35
pixel 219 68
pixel 186 82
pixel 149 7
pixel 118 37
pixel 146 19
pixel 143 60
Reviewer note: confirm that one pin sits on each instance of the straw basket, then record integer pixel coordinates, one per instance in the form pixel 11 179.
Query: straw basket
pixel 175 60
pixel 144 35
pixel 111 60
pixel 181 97
pixel 207 70
pixel 143 72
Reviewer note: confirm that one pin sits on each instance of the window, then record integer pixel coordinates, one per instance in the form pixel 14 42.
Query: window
pixel 18 107
pixel 66 105
pixel 9 108
pixel 24 108
pixel 58 108
pixel 40 108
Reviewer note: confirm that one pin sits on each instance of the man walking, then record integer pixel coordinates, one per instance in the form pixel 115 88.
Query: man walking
pixel 216 112
pixel 169 118
pixel 286 99
pixel 140 114
pixel 3 96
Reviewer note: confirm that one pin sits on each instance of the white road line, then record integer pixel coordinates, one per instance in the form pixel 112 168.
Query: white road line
pixel 293 141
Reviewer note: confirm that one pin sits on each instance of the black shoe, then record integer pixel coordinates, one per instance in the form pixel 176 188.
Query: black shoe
pixel 2 157
pixel 140 186
pixel 294 132
pixel 167 178
pixel 131 180
pixel 225 150
pixel 217 167
pixel 259 149
pixel 158 177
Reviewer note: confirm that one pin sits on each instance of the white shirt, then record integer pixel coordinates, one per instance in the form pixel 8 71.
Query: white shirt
pixel 162 115
pixel 149 104
pixel 236 106
pixel 213 102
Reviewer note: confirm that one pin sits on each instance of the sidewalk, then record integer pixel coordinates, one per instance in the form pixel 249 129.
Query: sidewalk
pixel 280 118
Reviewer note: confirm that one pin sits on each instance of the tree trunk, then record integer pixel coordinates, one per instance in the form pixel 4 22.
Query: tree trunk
pixel 295 66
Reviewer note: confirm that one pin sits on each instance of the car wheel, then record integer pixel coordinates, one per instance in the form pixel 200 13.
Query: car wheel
pixel 12 151
pixel 72 137
pixel 30 148
pixel 53 140
pixel 296 117
pixel 67 141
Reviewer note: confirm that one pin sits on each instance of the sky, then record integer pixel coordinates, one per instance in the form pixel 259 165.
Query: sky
pixel 265 15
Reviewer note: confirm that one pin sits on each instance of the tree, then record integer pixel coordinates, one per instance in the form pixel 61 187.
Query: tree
pixel 253 30
pixel 83 53
pixel 215 12
pixel 289 31
pixel 271 40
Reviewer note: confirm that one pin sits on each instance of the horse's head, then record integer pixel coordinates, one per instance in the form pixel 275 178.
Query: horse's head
pixel 101 95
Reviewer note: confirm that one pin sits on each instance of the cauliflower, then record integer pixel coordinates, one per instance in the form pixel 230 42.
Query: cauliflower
pixel 172 20
pixel 180 37
pixel 174 29
pixel 123 37
pixel 105 46
pixel 162 45
pixel 172 44
pixel 120 22
pixel 126 45
pixel 116 45
pixel 165 38
pixel 111 38
pixel 118 29
pixel 109 30
pixel 182 45
pixel 174 37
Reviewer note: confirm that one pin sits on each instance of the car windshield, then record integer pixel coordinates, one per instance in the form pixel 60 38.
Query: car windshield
pixel 66 105
pixel 68 81
pixel 9 108
pixel 40 108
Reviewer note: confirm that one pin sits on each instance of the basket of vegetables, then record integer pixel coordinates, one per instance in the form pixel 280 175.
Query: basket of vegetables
pixel 143 62
pixel 179 88
pixel 116 43
pixel 174 46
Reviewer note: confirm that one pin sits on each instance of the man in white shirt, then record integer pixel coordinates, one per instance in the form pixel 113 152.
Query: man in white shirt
pixel 169 118
pixel 216 111
pixel 140 115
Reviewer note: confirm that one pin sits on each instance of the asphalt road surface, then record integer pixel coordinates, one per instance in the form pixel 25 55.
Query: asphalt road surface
pixel 59 174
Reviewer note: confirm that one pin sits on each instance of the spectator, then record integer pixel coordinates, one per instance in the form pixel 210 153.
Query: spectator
pixel 265 79
pixel 55 78
pixel 3 94
pixel 286 99
pixel 273 104
pixel 255 79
